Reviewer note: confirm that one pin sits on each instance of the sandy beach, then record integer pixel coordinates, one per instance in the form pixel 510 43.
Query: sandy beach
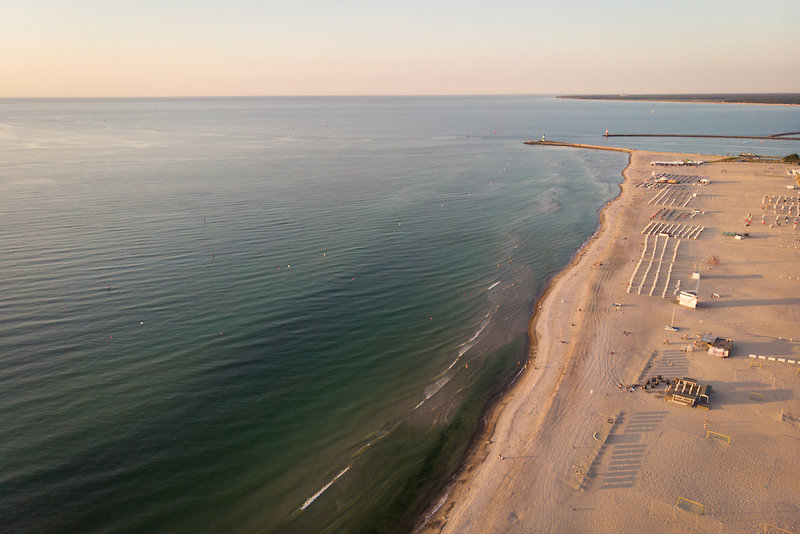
pixel 578 445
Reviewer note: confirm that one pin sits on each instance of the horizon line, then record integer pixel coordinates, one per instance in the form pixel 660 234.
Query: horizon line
pixel 390 95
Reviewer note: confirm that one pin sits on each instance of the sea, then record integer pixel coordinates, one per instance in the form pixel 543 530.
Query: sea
pixel 284 314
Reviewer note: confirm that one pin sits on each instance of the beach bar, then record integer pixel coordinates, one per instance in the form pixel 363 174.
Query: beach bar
pixel 688 392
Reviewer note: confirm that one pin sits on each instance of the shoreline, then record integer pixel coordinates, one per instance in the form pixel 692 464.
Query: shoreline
pixel 534 454
pixel 483 436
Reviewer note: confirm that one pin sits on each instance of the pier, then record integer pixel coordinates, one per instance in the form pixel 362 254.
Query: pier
pixel 776 137
pixel 578 145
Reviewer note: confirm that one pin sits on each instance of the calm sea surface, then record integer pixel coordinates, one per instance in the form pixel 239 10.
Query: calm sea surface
pixel 283 314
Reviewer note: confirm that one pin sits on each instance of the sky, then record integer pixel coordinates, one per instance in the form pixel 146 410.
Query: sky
pixel 121 48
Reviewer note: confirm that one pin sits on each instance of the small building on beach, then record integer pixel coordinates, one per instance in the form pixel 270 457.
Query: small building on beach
pixel 716 346
pixel 689 392
pixel 688 299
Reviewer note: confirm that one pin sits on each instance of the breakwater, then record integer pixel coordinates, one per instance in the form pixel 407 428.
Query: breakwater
pixel 776 137
pixel 579 145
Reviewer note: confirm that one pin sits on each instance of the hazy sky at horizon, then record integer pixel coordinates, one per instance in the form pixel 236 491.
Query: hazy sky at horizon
pixel 354 47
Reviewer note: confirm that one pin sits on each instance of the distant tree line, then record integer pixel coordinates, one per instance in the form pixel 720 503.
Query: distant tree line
pixel 732 98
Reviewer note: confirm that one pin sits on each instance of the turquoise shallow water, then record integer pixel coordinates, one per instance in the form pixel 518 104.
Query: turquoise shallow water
pixel 278 314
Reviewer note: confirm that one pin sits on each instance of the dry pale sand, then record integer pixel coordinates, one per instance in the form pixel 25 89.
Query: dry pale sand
pixel 565 467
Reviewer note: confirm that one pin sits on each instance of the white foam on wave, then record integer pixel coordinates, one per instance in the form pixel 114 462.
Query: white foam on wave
pixel 481 327
pixel 374 438
pixel 324 488
pixel 432 512
pixel 468 344
pixel 463 350
pixel 434 387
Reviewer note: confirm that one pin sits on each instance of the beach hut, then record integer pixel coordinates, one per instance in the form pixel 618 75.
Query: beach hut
pixel 688 299
pixel 716 346
pixel 721 348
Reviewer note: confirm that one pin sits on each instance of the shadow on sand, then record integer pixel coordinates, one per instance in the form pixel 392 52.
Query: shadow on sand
pixel 730 393
pixel 716 303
